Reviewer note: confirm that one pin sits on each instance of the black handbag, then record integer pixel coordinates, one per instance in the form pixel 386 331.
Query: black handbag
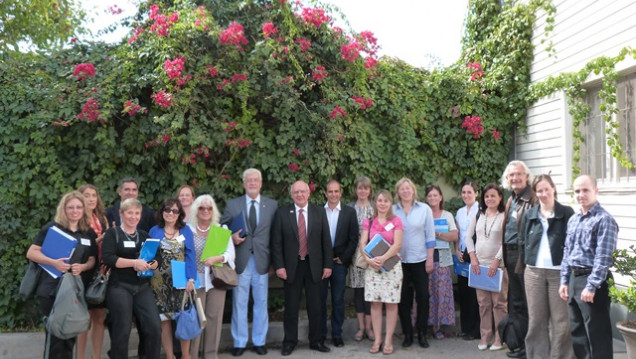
pixel 465 255
pixel 30 281
pixel 96 290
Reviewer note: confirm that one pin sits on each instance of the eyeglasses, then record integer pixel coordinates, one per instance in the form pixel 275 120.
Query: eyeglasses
pixel 171 210
pixel 205 209
pixel 72 208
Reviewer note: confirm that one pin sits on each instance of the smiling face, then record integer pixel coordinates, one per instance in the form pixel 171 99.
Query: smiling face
pixel 252 184
pixel 517 177
pixel 74 210
pixel 205 212
pixel 363 192
pixel 383 204
pixel 128 190
pixel 545 193
pixel 130 217
pixel 170 215
pixel 333 194
pixel 185 197
pixel 300 193
pixel 90 197
pixel 492 199
pixel 433 198
pixel 406 193
pixel 468 195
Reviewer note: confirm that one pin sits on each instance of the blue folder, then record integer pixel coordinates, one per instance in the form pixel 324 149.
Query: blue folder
pixel 239 223
pixel 483 281
pixel 148 252
pixel 179 279
pixel 57 244
pixel 460 268
pixel 377 247
pixel 441 225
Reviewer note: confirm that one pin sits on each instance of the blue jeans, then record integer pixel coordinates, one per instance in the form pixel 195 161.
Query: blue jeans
pixel 250 278
pixel 337 283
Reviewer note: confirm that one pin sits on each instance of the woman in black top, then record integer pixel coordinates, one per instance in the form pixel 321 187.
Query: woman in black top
pixel 72 218
pixel 129 293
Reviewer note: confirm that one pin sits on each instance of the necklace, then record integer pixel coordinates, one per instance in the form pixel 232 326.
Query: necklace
pixel 486 231
pixel 131 237
pixel 168 233
pixel 203 230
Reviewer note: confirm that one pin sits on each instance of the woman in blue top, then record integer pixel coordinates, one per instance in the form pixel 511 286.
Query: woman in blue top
pixel 177 243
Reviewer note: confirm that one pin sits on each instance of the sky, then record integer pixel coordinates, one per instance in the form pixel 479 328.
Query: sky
pixel 416 31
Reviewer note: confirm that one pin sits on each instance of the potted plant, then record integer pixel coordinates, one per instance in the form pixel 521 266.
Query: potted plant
pixel 625 263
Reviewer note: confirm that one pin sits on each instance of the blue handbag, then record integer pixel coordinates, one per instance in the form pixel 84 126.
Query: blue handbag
pixel 188 326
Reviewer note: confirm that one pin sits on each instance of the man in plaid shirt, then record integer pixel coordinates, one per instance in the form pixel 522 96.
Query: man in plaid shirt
pixel 587 257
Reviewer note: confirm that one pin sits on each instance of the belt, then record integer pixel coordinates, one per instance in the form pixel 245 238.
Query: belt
pixel 302 258
pixel 512 247
pixel 577 271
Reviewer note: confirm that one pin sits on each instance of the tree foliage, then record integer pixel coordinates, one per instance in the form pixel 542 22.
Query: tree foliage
pixel 196 94
pixel 41 22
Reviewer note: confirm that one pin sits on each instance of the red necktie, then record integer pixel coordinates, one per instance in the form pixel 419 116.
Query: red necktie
pixel 302 235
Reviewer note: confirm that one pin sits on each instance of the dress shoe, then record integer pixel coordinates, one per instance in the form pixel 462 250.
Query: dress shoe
pixel 496 347
pixel 422 340
pixel 320 346
pixel 287 349
pixel 338 342
pixel 482 346
pixel 408 341
pixel 468 337
pixel 237 352
pixel 518 354
pixel 260 349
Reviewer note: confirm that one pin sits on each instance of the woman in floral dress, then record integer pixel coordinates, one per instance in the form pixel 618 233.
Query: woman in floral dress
pixel 176 244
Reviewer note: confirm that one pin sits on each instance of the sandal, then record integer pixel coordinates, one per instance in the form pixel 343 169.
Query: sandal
pixel 359 335
pixel 375 349
pixel 439 335
pixel 369 333
pixel 388 350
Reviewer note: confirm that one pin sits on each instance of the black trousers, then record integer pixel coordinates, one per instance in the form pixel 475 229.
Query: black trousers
pixel 590 323
pixel 124 300
pixel 414 281
pixel 362 306
pixel 313 294
pixel 516 287
pixel 59 348
pixel 468 308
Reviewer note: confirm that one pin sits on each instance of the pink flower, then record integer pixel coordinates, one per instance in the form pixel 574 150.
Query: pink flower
pixel 364 103
pixel 154 10
pixel 233 35
pixel 242 143
pixel 90 111
pixel 473 125
pixel 370 41
pixel 312 186
pixel 174 67
pixel 296 152
pixel 339 137
pixel 73 40
pixel 115 10
pixel 83 71
pixel 303 43
pixel 370 62
pixel 319 73
pixel 136 34
pixel 337 30
pixel 174 17
pixel 162 99
pixel 269 29
pixel 293 167
pixel 496 134
pixel 183 80
pixel 337 111
pixel 351 51
pixel 166 138
pixel 131 108
pixel 212 71
pixel 476 75
pixel 239 77
pixel 314 16
pixel 474 65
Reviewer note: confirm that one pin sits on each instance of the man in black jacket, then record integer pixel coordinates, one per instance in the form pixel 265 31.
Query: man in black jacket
pixel 129 188
pixel 343 230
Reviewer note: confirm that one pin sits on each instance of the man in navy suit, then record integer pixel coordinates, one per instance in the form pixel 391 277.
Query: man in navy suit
pixel 252 261
pixel 302 256
pixel 129 188
pixel 343 231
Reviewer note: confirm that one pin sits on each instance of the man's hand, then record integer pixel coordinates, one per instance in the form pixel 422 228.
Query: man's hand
pixel 563 292
pixel 587 296
pixel 326 273
pixel 236 237
pixel 337 260
pixel 281 273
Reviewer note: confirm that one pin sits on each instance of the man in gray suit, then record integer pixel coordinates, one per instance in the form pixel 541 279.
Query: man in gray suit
pixel 252 261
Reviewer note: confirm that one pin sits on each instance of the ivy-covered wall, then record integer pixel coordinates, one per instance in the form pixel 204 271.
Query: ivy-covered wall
pixel 200 91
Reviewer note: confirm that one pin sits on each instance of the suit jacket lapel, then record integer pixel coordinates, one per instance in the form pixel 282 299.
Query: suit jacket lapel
pixel 292 219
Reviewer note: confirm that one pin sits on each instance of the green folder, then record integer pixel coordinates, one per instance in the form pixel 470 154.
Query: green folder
pixel 216 243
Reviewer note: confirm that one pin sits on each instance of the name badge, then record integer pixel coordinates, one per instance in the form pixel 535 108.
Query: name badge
pixel 180 238
pixel 85 242
pixel 389 227
pixel 129 244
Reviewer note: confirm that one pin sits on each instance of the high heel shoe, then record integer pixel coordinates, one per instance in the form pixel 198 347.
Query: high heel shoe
pixel 359 335
pixel 369 333
pixel 375 349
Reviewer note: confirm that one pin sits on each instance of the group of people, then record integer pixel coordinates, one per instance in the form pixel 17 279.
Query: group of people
pixel 542 248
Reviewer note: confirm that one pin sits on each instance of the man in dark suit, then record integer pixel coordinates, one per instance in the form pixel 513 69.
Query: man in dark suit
pixel 343 231
pixel 252 261
pixel 302 256
pixel 129 188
